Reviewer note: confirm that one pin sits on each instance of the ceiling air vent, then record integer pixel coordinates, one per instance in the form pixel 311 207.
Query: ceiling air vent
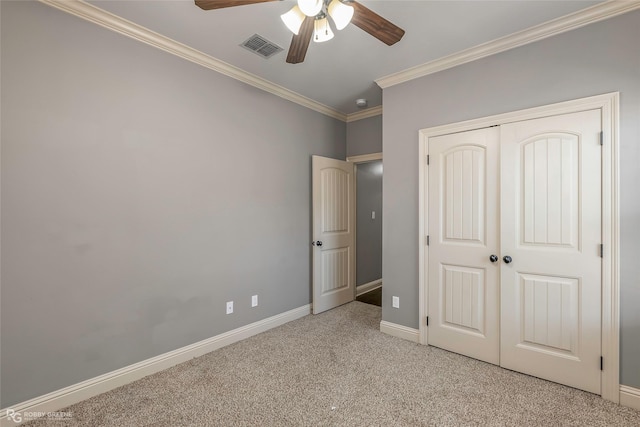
pixel 261 46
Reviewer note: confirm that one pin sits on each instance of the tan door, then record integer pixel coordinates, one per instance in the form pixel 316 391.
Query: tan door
pixel 463 233
pixel 333 233
pixel 551 230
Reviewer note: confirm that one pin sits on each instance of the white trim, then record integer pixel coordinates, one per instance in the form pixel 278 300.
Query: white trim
pixel 423 218
pixel 364 158
pixel 142 34
pixel 84 390
pixel 399 331
pixel 606 102
pixel 609 105
pixel 364 114
pixel 611 241
pixel 630 397
pixel 368 287
pixel 551 28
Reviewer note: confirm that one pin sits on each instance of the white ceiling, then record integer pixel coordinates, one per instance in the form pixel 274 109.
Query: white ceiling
pixel 337 72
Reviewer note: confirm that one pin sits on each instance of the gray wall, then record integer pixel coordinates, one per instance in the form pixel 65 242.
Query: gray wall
pixel 364 136
pixel 600 58
pixel 140 192
pixel 368 231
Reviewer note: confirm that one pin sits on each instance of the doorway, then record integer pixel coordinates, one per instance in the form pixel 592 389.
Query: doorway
pixel 334 243
pixel 518 241
pixel 368 173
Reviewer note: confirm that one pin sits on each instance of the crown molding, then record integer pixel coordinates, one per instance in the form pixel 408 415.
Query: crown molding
pixel 364 114
pixel 587 16
pixel 142 34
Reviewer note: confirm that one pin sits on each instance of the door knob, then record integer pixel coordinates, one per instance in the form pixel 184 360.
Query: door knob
pixel 493 258
pixel 318 243
pixel 507 259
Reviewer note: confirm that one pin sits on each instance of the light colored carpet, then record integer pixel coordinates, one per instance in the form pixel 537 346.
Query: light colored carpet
pixel 337 369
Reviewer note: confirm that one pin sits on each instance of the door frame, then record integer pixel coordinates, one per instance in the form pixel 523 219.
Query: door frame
pixel 610 324
pixel 356 160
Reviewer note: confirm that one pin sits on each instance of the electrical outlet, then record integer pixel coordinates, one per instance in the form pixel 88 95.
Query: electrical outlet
pixel 395 302
pixel 229 307
pixel 254 301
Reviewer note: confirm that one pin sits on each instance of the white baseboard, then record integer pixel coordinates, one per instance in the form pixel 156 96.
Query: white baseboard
pixel 400 331
pixel 367 287
pixel 62 398
pixel 630 397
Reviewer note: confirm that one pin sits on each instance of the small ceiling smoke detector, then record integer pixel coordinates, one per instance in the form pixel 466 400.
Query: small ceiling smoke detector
pixel 361 102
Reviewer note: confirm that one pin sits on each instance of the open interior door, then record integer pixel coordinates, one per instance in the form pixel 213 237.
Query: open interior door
pixel 333 233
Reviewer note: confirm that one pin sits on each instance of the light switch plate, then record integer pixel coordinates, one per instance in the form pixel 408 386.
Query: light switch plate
pixel 395 302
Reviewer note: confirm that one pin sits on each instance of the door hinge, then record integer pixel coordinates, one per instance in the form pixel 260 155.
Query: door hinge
pixel 427 320
pixel 427 160
pixel 427 240
pixel 601 251
pixel 601 138
pixel 601 363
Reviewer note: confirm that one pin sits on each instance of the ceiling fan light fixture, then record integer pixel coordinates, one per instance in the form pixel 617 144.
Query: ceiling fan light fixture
pixel 321 30
pixel 310 7
pixel 293 19
pixel 341 13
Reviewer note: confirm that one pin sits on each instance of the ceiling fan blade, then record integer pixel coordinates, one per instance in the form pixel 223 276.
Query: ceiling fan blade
pixel 376 25
pixel 219 4
pixel 300 42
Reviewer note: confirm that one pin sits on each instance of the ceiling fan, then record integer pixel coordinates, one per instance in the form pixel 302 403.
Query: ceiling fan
pixel 308 19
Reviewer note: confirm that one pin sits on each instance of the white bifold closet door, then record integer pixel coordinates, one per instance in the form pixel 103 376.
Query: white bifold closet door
pixel 552 228
pixel 464 288
pixel 514 257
